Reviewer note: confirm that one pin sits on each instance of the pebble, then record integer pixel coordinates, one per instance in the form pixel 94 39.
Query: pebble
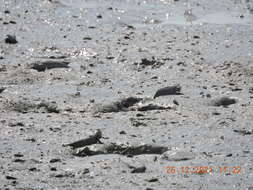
pixel 11 39
pixel 169 90
pixel 42 66
pixel 10 177
pixel 178 156
pixel 2 89
pixel 223 101
pixel 141 169
pixel 152 180
pixel 54 160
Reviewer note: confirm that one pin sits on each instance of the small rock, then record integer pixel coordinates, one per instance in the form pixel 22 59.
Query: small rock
pixel 92 139
pixel 236 89
pixel 251 90
pixel 196 37
pixel 3 68
pixel 64 174
pixel 216 113
pixel 152 180
pixel 55 129
pixel 30 139
pixel 178 156
pixel 122 132
pixel 12 22
pixel 170 90
pixel 141 169
pixel 109 57
pixel 19 160
pixel 33 169
pixel 117 106
pixel 16 124
pixel 7 11
pixel 11 39
pixel 87 38
pixel 58 175
pixel 145 62
pixel 154 77
pixel 85 171
pixel 151 106
pixel 175 102
pixel 139 115
pixel 223 101
pixel 49 64
pixel 10 177
pixel 50 107
pixel 2 89
pixel 99 16
pixel 244 132
pixel 54 160
pixel 137 123
pixel 18 155
pixel 53 169
pixel 82 173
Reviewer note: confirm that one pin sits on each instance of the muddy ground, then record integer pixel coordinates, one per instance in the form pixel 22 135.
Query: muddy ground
pixel 64 60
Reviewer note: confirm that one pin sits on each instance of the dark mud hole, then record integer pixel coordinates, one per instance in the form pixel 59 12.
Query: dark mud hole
pixel 59 59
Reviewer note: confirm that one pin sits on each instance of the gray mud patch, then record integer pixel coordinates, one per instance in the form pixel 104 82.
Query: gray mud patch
pixel 122 149
pixel 130 104
pixel 24 106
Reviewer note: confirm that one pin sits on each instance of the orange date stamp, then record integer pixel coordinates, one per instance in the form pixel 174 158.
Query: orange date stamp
pixel 203 170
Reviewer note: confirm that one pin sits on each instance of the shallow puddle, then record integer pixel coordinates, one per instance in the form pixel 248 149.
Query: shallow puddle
pixel 142 13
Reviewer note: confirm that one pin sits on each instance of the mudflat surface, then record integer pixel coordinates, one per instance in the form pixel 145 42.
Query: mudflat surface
pixel 71 58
